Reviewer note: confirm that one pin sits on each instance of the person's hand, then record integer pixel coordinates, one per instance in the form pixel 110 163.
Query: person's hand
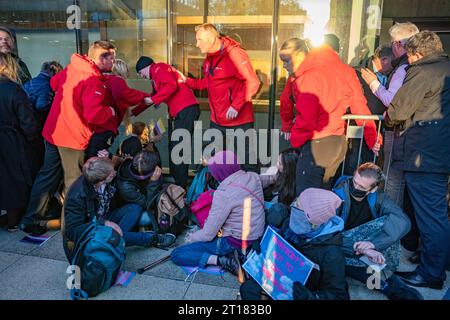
pixel 286 135
pixel 113 111
pixel 300 292
pixel 232 113
pixel 156 138
pixel 375 256
pixel 368 75
pixel 361 246
pixel 103 153
pixel 376 149
pixel 148 101
pixel 156 175
pixel 114 226
pixel 183 77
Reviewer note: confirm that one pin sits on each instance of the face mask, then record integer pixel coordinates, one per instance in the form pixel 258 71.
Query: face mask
pixel 356 193
pixel 298 221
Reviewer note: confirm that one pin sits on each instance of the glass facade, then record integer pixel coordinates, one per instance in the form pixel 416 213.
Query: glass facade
pixel 164 29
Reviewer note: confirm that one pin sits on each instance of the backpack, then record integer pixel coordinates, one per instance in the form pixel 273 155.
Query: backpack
pixel 100 255
pixel 172 211
pixel 200 207
pixel 202 182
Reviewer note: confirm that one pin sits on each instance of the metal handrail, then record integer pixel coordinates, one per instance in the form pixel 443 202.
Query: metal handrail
pixel 363 117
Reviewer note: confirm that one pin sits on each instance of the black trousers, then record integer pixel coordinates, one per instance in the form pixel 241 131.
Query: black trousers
pixel 247 165
pixel 59 163
pixel 318 162
pixel 99 141
pixel 184 120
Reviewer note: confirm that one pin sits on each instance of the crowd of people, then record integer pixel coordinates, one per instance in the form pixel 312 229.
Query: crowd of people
pixel 56 162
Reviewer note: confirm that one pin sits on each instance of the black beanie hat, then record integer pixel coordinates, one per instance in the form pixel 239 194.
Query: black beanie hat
pixel 143 62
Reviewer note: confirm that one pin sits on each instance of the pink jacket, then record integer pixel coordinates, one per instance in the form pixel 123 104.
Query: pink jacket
pixel 227 209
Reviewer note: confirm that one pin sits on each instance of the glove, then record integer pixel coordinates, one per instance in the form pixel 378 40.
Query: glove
pixel 256 246
pixel 300 292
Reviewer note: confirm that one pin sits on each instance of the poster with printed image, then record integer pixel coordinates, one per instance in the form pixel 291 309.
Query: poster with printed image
pixel 278 266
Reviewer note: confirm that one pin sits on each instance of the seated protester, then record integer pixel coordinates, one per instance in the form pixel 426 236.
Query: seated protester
pixel 94 195
pixel 121 97
pixel 282 186
pixel 314 230
pixel 374 225
pixel 227 217
pixel 139 181
pixel 141 131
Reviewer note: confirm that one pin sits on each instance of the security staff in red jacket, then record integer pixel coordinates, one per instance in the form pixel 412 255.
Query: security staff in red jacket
pixel 230 80
pixel 79 107
pixel 168 87
pixel 322 88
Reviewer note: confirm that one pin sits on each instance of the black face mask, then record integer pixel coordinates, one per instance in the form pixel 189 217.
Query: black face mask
pixel 356 192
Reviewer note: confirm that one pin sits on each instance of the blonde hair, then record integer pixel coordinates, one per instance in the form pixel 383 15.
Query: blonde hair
pixel 403 30
pixel 97 169
pixel 208 27
pixel 100 49
pixel 139 129
pixel 9 67
pixel 120 68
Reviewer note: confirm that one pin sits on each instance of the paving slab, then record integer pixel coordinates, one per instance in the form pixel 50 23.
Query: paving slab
pixel 147 288
pixel 34 278
pixel 205 292
pixel 7 259
pixel 52 249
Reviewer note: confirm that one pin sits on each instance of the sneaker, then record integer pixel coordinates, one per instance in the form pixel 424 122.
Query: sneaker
pixel 232 264
pixel 13 229
pixel 35 229
pixel 398 290
pixel 165 240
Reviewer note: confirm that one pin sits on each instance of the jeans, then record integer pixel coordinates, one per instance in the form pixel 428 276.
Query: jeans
pixel 277 215
pixel 428 196
pixel 46 184
pixel 127 217
pixel 184 120
pixel 197 253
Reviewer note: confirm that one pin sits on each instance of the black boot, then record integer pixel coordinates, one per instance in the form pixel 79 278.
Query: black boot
pixel 398 290
pixel 232 264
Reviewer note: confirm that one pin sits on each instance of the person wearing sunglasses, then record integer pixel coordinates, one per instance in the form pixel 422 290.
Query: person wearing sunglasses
pixel 373 227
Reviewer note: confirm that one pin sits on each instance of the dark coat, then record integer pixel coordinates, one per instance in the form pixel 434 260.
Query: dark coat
pixel 39 91
pixel 24 73
pixel 131 190
pixel 80 207
pixel 422 105
pixel 18 132
pixel 396 226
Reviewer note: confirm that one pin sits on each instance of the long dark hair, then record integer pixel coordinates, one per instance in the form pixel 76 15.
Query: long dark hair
pixel 285 183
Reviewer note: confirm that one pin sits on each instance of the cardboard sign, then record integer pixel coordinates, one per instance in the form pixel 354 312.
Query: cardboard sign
pixel 278 266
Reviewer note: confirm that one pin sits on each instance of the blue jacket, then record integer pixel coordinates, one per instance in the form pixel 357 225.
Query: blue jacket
pixel 39 92
pixel 397 224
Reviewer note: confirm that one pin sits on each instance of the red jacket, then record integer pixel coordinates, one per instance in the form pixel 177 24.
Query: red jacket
pixel 121 98
pixel 79 105
pixel 323 88
pixel 168 87
pixel 231 81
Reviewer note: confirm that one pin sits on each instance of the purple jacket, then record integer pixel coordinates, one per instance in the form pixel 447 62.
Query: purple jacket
pixel 227 210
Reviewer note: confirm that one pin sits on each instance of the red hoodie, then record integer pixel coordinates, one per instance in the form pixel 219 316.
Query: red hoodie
pixel 79 105
pixel 231 81
pixel 170 89
pixel 323 88
pixel 122 97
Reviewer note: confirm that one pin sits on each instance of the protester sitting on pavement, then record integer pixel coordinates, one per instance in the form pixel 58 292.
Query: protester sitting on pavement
pixel 279 187
pixel 374 225
pixel 322 90
pixel 314 230
pixel 139 180
pixel 230 215
pixel 94 195
pixel 121 97
pixel 18 132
